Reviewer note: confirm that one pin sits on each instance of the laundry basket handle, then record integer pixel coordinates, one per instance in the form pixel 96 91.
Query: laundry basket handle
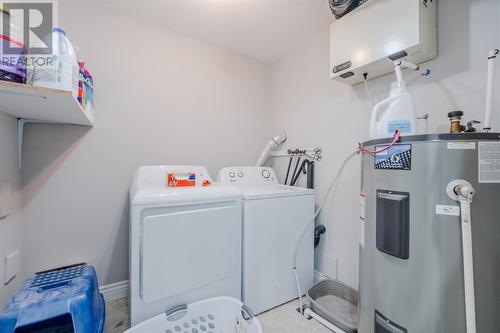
pixel 245 310
pixel 175 309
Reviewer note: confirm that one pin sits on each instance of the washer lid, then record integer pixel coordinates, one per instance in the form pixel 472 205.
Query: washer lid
pixel 255 192
pixel 148 194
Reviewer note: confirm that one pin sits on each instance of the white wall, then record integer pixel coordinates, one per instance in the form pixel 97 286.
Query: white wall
pixel 164 98
pixel 161 98
pixel 10 227
pixel 317 111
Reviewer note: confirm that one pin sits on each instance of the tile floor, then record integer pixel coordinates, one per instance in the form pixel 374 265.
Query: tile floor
pixel 283 319
pixel 286 319
pixel 116 316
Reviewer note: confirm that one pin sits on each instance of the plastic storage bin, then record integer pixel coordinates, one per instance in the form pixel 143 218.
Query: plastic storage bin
pixel 336 303
pixel 218 314
pixel 61 300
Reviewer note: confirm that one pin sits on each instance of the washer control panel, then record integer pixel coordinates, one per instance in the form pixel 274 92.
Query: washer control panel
pixel 247 175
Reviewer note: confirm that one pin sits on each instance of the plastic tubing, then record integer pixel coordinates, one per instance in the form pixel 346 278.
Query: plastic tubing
pixel 269 147
pixel 304 232
pixel 395 140
pixel 360 149
pixel 370 96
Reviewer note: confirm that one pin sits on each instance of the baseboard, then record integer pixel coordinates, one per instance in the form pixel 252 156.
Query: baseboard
pixel 114 291
pixel 117 290
pixel 318 276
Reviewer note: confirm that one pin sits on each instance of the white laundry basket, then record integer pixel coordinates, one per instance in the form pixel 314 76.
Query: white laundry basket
pixel 213 315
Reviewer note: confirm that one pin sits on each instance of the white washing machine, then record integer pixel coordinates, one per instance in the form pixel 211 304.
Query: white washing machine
pixel 274 219
pixel 185 242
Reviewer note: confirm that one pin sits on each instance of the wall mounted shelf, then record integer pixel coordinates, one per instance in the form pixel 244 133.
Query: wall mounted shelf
pixel 53 105
pixel 40 105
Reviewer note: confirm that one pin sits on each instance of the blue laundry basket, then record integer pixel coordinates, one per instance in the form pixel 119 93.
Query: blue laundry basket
pixel 62 300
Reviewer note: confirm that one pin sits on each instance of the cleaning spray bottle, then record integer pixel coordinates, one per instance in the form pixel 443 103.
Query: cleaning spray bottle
pixel 397 112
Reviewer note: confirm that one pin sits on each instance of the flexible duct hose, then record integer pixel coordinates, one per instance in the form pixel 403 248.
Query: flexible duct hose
pixel 269 147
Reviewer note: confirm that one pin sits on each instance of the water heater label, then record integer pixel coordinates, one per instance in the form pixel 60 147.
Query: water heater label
pixel 447 210
pixel 489 162
pixel 362 206
pixel 460 145
pixel 402 126
pixel 397 157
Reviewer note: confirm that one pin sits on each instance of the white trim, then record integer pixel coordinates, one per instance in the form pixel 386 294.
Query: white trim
pixel 117 290
pixel 318 276
pixel 114 291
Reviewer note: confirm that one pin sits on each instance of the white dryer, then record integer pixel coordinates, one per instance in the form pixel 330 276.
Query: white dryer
pixel 274 219
pixel 185 242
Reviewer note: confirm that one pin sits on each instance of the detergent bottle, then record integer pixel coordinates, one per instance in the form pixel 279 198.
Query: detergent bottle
pixel 397 112
pixel 62 73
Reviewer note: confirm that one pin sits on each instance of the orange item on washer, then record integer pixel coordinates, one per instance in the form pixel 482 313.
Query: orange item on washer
pixel 181 179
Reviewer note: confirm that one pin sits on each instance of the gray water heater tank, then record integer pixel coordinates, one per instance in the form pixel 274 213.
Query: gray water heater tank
pixel 411 271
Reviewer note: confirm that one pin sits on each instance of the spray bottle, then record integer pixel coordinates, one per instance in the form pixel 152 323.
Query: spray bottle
pixel 397 112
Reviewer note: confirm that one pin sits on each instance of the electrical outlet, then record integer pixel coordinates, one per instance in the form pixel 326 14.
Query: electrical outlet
pixel 5 199
pixel 11 266
pixel 331 266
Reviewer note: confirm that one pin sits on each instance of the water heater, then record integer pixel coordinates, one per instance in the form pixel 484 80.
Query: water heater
pixel 414 276
pixel 368 38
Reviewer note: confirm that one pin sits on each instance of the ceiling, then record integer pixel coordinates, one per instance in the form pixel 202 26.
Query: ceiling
pixel 261 29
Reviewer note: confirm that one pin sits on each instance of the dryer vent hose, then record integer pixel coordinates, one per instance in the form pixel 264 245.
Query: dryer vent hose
pixel 270 146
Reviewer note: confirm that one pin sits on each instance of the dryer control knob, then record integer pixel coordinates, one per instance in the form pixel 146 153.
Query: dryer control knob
pixel 232 174
pixel 266 174
pixel 240 174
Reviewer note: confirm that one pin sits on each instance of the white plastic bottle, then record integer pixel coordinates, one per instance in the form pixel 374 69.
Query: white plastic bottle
pixel 397 112
pixel 62 72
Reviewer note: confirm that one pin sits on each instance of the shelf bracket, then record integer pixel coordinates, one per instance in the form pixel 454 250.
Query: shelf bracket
pixel 20 134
